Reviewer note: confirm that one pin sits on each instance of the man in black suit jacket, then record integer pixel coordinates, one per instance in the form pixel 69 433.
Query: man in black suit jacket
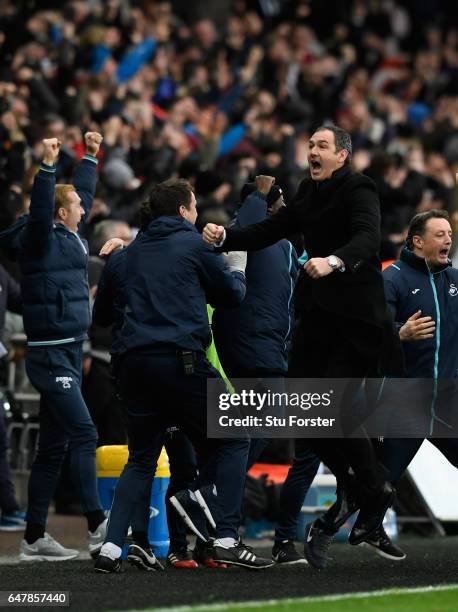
pixel 344 329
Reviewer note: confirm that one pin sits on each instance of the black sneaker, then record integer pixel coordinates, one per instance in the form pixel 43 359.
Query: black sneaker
pixel 285 553
pixel 191 513
pixel 204 554
pixel 107 565
pixel 317 543
pixel 241 555
pixel 371 515
pixel 143 558
pixel 207 500
pixel 181 559
pixel 383 546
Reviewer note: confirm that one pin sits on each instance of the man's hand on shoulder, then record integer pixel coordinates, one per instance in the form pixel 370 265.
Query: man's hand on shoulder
pixel 212 234
pixel 111 245
pixel 417 328
pixel 51 148
pixel 92 140
pixel 264 183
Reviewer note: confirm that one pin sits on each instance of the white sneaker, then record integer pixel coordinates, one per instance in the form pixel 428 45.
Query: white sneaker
pixel 96 539
pixel 46 549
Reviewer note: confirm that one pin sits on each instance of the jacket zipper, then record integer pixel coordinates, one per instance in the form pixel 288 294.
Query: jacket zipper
pixel 290 293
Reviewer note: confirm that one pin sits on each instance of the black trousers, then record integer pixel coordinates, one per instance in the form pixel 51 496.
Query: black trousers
pixel 329 346
pixel 159 393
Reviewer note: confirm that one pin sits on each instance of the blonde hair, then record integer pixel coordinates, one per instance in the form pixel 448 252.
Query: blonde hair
pixel 60 197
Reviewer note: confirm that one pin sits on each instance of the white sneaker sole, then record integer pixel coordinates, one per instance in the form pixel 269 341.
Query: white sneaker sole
pixel 104 571
pixel 24 557
pixel 205 508
pixel 248 567
pixel 12 528
pixel 380 553
pixel 296 562
pixel 181 511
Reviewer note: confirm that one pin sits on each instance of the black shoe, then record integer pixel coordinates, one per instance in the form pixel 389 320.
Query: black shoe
pixel 191 513
pixel 285 553
pixel 383 546
pixel 181 559
pixel 317 543
pixel 207 500
pixel 371 515
pixel 241 555
pixel 204 554
pixel 106 565
pixel 143 558
pixel 343 508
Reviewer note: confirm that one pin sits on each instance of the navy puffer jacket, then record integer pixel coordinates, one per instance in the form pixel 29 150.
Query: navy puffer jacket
pixel 53 262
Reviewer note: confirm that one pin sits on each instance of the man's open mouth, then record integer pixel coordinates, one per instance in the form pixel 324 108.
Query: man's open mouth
pixel 315 165
pixel 444 252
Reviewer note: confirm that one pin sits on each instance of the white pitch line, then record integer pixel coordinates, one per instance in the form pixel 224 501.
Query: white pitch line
pixel 323 598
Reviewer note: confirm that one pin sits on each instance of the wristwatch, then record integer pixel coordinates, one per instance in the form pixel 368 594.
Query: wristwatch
pixel 333 262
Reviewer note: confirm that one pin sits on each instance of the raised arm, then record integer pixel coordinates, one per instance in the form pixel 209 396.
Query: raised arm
pixel 253 237
pixel 38 231
pixel 254 207
pixel 85 177
pixel 259 235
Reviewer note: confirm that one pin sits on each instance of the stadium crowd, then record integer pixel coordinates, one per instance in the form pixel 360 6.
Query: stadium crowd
pixel 218 104
pixel 215 102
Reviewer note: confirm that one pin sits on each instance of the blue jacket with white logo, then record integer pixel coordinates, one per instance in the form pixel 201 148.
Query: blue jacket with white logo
pixel 255 336
pixel 171 274
pixel 410 286
pixel 53 262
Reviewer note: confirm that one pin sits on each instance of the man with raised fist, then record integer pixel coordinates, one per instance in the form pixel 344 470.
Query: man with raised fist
pixel 53 260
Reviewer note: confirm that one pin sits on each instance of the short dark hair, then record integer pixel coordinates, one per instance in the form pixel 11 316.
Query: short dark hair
pixel 165 199
pixel 341 137
pixel 417 226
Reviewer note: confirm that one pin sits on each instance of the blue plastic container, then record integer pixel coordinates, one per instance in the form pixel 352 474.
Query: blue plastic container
pixel 110 463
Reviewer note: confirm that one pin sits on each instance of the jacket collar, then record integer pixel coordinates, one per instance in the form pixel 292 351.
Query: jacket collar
pixel 419 263
pixel 336 177
pixel 168 224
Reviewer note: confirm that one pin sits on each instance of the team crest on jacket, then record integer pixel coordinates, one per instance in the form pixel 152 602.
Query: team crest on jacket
pixel 453 290
pixel 65 380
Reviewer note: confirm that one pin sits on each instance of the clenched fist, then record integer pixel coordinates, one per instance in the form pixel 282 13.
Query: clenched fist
pixel 92 140
pixel 51 148
pixel 264 183
pixel 317 267
pixel 213 233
